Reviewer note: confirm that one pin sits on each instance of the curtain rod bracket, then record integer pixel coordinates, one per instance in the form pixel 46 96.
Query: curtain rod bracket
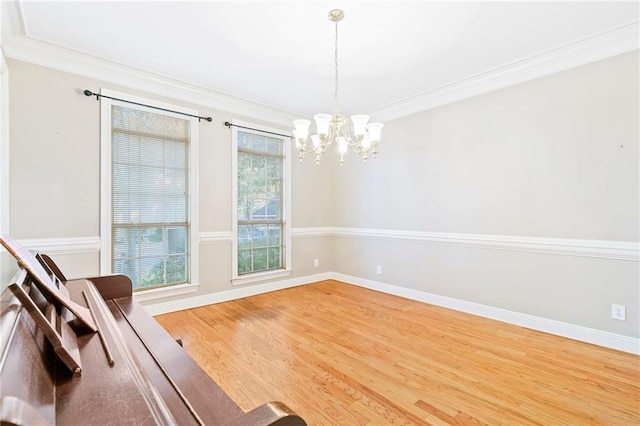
pixel 90 93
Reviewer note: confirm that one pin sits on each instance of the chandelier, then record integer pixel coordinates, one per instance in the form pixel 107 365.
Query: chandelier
pixel 335 127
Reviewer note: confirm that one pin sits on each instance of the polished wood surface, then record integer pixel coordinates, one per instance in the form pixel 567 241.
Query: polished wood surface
pixel 340 354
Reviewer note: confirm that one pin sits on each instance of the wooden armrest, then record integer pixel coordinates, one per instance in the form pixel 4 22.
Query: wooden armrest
pixel 269 414
pixel 113 286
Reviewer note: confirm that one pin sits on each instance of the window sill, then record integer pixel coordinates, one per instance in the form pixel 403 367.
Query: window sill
pixel 261 276
pixel 162 292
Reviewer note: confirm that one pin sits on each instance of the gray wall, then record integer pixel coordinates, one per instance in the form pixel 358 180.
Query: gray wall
pixel 556 157
pixel 55 170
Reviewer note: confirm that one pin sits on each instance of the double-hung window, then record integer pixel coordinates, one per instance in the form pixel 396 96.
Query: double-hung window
pixel 261 230
pixel 148 218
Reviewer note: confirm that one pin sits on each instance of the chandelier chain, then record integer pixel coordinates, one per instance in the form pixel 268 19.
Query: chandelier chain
pixel 335 60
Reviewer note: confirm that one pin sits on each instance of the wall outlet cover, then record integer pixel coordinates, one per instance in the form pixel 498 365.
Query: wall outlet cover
pixel 618 312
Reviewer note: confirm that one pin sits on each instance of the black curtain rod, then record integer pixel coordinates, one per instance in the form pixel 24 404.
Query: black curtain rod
pixel 98 96
pixel 226 123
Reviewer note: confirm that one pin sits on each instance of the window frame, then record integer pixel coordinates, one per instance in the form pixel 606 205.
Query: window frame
pixel 286 269
pixel 106 186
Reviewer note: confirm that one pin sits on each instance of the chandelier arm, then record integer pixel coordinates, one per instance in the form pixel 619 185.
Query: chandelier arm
pixel 306 150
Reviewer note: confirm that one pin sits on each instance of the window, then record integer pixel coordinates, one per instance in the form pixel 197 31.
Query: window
pixel 148 225
pixel 261 234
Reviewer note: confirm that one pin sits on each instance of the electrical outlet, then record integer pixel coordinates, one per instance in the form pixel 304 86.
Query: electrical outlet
pixel 618 312
pixel 379 270
pixel 316 262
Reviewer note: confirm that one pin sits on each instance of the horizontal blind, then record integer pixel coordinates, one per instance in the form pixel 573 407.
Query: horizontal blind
pixel 150 169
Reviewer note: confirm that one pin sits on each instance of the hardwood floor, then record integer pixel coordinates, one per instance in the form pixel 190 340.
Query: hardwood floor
pixel 340 354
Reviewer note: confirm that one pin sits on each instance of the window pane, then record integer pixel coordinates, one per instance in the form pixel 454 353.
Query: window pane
pixel 145 122
pixel 244 236
pixel 244 261
pixel 177 240
pixel 128 268
pixel 151 272
pixel 176 269
pixel 151 242
pixel 274 257
pixel 125 243
pixel 260 259
pixel 259 202
pixel 274 168
pixel 244 140
pixel 275 232
pixel 259 236
pixel 273 209
pixel 258 143
pixel 274 146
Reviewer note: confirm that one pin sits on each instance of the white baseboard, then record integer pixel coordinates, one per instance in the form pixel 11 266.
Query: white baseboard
pixel 227 295
pixel 558 328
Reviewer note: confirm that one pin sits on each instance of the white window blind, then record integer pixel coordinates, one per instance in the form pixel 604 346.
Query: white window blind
pixel 150 197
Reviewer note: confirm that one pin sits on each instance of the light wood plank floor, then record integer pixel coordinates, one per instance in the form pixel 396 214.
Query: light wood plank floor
pixel 340 354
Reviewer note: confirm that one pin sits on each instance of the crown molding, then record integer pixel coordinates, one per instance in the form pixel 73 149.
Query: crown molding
pixel 40 53
pixel 17 45
pixel 615 41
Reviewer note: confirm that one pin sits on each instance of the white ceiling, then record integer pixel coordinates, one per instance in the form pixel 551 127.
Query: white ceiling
pixel 280 54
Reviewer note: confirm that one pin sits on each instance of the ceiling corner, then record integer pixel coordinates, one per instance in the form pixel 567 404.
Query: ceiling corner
pixel 615 41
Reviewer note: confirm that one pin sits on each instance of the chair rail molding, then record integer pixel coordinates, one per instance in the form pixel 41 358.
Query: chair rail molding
pixel 324 231
pixel 215 237
pixel 71 245
pixel 605 249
